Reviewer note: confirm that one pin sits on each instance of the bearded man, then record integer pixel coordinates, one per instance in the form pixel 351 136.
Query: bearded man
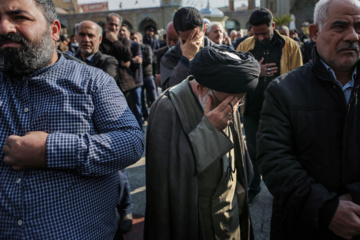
pixel 66 130
pixel 197 167
pixel 277 55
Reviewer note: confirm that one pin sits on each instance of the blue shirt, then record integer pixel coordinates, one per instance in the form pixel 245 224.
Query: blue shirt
pixel 347 88
pixel 92 134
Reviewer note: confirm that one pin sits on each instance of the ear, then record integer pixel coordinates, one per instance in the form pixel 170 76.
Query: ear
pixel 314 31
pixel 55 30
pixel 273 25
pixel 100 38
pixel 200 88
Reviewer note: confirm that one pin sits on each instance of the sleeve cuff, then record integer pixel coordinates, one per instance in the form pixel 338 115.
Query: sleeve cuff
pixel 354 190
pixel 209 144
pixel 327 212
pixel 61 150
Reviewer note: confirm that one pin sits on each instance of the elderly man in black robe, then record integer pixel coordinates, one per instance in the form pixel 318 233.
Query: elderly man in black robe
pixel 198 169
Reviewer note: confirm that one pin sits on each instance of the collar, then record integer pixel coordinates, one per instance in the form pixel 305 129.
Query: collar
pixel 91 58
pixel 348 84
pixel 61 61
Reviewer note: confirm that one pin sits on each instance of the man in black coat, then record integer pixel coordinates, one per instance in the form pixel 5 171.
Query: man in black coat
pixel 90 36
pixel 171 39
pixel 137 73
pixel 308 140
pixel 120 49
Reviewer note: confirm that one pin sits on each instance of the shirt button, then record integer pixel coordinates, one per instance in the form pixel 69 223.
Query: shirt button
pixel 20 222
pixel 26 110
pixel 334 86
pixel 19 180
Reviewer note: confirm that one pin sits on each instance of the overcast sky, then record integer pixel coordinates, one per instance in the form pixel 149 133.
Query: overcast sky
pixel 128 4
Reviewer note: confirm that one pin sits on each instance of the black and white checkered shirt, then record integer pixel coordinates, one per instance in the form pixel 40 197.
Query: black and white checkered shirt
pixel 92 134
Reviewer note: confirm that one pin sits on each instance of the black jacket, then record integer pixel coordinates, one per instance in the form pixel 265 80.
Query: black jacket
pixel 105 62
pixel 136 68
pixel 307 150
pixel 147 60
pixel 121 51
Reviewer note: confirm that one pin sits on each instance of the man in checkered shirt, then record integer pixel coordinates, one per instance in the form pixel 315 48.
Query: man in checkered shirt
pixel 65 130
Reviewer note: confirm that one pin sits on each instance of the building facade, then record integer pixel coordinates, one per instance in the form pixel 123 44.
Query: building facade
pixel 159 17
pixel 302 10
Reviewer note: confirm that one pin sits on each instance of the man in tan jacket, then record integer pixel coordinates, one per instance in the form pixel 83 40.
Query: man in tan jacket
pixel 277 55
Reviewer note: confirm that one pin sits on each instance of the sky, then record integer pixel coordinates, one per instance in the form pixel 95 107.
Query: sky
pixel 199 4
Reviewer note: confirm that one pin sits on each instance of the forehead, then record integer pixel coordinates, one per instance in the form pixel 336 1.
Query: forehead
pixel 114 20
pixel 260 29
pixel 343 10
pixel 87 27
pixel 185 34
pixel 20 6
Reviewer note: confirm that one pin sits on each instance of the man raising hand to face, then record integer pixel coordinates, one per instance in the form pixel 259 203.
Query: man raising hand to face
pixel 174 66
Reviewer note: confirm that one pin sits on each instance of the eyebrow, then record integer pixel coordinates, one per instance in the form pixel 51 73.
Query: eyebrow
pixel 19 12
pixel 16 12
pixel 339 22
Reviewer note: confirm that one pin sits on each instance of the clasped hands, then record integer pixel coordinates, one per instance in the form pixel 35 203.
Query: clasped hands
pixel 29 151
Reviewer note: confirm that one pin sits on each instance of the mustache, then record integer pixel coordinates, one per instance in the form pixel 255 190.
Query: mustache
pixel 12 37
pixel 353 45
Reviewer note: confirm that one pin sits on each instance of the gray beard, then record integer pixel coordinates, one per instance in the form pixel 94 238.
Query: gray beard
pixel 31 57
pixel 203 100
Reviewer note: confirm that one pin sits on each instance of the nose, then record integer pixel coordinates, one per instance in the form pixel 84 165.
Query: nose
pixel 86 38
pixel 352 35
pixel 6 26
pixel 261 38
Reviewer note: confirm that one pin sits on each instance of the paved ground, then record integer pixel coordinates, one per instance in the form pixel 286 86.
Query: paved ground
pixel 260 208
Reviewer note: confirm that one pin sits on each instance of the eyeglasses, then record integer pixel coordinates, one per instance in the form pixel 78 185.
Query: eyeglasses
pixel 216 99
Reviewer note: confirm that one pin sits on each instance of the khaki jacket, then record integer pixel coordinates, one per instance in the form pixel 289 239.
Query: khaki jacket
pixel 291 57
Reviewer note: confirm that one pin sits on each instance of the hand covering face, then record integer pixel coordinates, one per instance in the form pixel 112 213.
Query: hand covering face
pixel 225 70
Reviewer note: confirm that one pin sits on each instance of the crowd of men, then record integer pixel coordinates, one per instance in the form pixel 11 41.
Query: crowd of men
pixel 72 115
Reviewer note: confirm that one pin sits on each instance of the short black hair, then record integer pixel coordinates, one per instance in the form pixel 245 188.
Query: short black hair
pixel 48 9
pixel 187 18
pixel 261 16
pixel 125 25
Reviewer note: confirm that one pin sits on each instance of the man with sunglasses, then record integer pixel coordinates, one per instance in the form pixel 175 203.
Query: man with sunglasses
pixel 197 169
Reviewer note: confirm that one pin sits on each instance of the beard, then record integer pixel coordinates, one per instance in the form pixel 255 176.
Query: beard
pixel 29 58
pixel 265 42
pixel 203 99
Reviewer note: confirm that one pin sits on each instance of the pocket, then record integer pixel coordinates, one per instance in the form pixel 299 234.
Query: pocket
pixel 65 113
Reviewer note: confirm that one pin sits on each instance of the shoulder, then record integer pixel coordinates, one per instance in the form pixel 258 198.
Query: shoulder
pixel 82 74
pixel 163 104
pixel 247 40
pixel 172 56
pixel 291 43
pixel 294 79
pixel 246 44
pixel 108 58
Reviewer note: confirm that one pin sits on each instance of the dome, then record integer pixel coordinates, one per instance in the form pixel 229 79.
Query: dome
pixel 211 12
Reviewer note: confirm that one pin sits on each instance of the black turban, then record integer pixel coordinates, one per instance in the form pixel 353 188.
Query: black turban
pixel 215 68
